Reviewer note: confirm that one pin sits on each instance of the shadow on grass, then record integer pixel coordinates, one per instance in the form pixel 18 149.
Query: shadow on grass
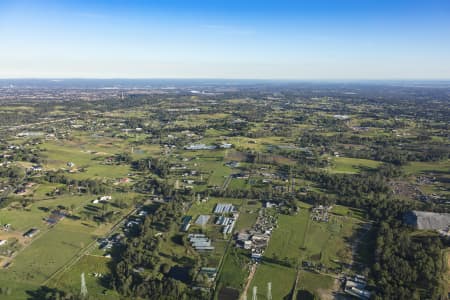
pixel 47 293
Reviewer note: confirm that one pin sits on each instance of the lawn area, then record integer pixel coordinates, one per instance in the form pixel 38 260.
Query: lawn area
pixel 19 288
pixel 321 235
pixel 210 163
pixel 42 190
pixel 22 220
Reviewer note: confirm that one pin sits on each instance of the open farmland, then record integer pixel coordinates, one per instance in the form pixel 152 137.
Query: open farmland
pixel 173 194
pixel 297 240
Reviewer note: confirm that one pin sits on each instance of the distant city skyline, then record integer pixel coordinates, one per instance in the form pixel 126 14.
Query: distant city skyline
pixel 293 40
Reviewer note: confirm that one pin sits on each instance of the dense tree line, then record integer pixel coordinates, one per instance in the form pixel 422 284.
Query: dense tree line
pixel 406 267
pixel 92 186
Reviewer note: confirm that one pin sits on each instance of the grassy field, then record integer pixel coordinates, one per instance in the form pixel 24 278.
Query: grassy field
pixel 298 239
pixel 352 165
pixel 349 212
pixel 52 248
pixel 246 220
pixel 282 279
pixel 289 236
pixel 84 155
pixel 314 283
pixel 219 175
pixel 234 271
pixel 426 167
pixel 71 280
pixel 22 220
pixel 238 184
pixel 50 251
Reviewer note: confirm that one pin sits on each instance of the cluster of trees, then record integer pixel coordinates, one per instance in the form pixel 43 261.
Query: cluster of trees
pixel 123 158
pixel 345 185
pixel 86 185
pixel 397 151
pixel 407 267
pixel 47 293
pixel 24 154
pixel 157 166
pixel 259 158
pixel 139 271
pixel 13 173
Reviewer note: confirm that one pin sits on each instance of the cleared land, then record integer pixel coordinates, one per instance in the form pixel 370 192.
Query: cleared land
pixel 299 239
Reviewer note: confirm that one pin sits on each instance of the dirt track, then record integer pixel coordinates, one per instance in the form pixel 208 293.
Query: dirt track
pixel 249 281
pixel 5 235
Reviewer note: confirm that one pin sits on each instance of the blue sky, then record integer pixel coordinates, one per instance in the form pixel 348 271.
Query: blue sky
pixel 341 39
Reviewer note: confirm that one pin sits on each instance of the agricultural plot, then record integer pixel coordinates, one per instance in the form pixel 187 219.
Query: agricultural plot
pixel 39 257
pixel 87 160
pixel 299 239
pixel 49 252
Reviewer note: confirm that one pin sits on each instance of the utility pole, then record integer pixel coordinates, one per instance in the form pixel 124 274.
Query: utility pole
pixel 255 290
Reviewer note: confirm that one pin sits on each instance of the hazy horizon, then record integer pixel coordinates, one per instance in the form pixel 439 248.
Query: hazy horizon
pixel 271 40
